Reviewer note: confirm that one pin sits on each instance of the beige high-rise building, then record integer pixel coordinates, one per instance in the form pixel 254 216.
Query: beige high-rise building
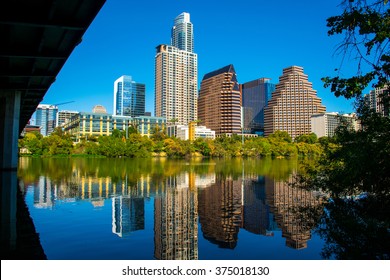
pixel 376 101
pixel 293 103
pixel 326 124
pixel 219 104
pixel 176 75
pixel 64 116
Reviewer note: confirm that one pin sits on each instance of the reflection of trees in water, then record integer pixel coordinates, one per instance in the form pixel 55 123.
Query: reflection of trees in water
pixel 356 229
pixel 352 228
pixel 279 169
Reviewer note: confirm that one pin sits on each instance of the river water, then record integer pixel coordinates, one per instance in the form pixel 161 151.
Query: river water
pixel 141 209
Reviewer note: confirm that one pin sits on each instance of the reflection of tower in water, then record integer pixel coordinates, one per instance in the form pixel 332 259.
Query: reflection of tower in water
pixel 284 201
pixel 176 220
pixel 128 215
pixel 45 193
pixel 220 211
pixel 256 215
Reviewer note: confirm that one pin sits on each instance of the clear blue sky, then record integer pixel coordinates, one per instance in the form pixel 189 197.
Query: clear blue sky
pixel 258 37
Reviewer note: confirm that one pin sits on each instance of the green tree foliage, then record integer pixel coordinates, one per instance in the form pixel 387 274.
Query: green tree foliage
pixel 307 138
pixel 231 145
pixel 366 28
pixel 354 230
pixel 202 146
pixel 359 163
pixel 174 147
pixel 354 170
pixel 132 129
pixel 359 160
pixel 158 133
pixel 116 133
pixel 116 145
pixel 56 145
pixel 281 136
pixel 111 146
pixel 32 143
pixel 86 147
pixel 139 146
pixel 258 147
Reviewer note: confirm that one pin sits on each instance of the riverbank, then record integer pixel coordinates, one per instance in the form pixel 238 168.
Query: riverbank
pixel 277 145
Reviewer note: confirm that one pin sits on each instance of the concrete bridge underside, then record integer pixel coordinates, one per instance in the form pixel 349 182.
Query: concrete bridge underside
pixel 37 37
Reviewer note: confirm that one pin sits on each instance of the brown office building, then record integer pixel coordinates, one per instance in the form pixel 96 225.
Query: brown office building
pixel 293 103
pixel 219 103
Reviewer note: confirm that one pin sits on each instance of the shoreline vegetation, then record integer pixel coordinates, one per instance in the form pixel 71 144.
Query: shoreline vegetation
pixel 276 145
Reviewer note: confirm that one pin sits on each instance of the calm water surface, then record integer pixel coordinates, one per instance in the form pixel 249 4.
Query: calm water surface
pixel 168 209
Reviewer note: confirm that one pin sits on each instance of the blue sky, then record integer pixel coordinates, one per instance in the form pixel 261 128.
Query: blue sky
pixel 258 37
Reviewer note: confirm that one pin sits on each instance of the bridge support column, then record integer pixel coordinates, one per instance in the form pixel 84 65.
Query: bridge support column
pixel 9 130
pixel 8 188
pixel 9 134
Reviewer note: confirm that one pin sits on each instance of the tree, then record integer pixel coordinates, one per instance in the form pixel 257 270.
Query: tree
pixel 202 146
pixel 280 136
pixel 355 170
pixel 307 138
pixel 173 121
pixel 58 131
pixel 360 163
pixel 116 133
pixel 54 144
pixel 158 133
pixel 32 142
pixel 366 28
pixel 132 129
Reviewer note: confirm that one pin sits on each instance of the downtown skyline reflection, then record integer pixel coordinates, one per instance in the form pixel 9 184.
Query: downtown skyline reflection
pixel 182 210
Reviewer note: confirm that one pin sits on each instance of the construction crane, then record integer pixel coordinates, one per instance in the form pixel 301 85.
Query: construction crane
pixel 63 103
pixel 53 123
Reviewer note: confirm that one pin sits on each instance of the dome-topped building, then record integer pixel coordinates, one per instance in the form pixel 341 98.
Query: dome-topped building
pixel 99 109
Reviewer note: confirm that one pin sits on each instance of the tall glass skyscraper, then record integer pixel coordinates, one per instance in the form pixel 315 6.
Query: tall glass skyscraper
pixel 129 97
pixel 176 75
pixel 46 118
pixel 182 33
pixel 255 96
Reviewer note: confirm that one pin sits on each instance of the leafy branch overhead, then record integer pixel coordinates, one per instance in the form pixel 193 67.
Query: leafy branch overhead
pixel 366 29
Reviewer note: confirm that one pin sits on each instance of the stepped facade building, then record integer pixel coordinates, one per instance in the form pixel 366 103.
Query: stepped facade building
pixel 219 103
pixel 293 103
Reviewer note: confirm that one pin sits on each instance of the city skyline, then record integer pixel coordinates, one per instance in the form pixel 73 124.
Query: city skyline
pixel 187 205
pixel 262 45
